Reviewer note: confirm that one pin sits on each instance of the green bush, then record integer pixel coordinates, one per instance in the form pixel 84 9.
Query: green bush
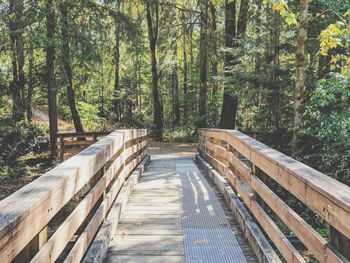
pixel 16 140
pixel 326 131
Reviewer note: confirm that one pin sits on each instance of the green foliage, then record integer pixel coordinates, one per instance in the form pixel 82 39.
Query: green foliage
pixel 90 118
pixel 180 135
pixel 16 140
pixel 327 126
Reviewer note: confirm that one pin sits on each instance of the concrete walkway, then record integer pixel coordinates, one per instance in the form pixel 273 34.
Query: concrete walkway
pixel 174 215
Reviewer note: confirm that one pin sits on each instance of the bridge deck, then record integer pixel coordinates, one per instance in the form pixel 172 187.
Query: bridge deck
pixel 175 215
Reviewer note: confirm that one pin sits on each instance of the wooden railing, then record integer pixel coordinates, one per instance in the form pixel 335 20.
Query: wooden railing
pixel 82 189
pixel 250 166
pixel 68 140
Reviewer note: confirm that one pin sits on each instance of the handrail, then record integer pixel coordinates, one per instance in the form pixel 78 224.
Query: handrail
pixel 242 160
pixel 98 171
pixel 76 139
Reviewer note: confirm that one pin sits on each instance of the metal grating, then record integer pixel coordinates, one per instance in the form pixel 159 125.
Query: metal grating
pixel 208 237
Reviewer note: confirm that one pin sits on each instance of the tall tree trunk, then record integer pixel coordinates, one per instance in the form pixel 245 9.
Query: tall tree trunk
pixel 50 74
pixel 18 82
pixel 300 70
pixel 203 61
pixel 229 103
pixel 185 72
pixel 242 18
pixel 30 84
pixel 275 96
pixel 175 88
pixel 230 100
pixel 65 57
pixel 152 23
pixel 117 106
pixel 214 62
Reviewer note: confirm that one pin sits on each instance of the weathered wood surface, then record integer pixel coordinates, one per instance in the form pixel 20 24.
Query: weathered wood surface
pixel 327 197
pixel 71 139
pixel 151 228
pixel 21 221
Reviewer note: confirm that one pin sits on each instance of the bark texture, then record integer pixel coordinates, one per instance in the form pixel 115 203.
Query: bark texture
pixel 175 87
pixel 229 103
pixel 117 105
pixel 300 68
pixel 50 75
pixel 66 58
pixel 232 37
pixel 203 61
pixel 18 81
pixel 152 23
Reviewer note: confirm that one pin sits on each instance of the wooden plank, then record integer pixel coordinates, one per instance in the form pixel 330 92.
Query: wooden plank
pixel 326 196
pixel 83 134
pixel 317 245
pixel 98 249
pixel 79 143
pixel 59 240
pixel 277 237
pixel 84 240
pixel 116 257
pixel 170 244
pixel 44 197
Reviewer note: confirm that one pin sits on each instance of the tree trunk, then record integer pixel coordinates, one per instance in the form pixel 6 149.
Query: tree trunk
pixel 300 70
pixel 203 60
pixel 18 82
pixel 152 23
pixel 229 103
pixel 214 61
pixel 65 57
pixel 185 72
pixel 175 88
pixel 230 100
pixel 50 74
pixel 30 84
pixel 242 18
pixel 117 106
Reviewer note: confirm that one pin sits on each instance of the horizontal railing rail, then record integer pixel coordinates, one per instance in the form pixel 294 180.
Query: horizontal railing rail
pixel 66 140
pixel 249 166
pixel 82 189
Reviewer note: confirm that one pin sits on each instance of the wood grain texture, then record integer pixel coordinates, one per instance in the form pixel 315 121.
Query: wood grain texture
pixel 307 184
pixel 21 221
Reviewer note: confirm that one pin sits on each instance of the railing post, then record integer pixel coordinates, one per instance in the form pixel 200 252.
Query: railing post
pixel 32 248
pixel 339 241
pixel 94 137
pixel 61 150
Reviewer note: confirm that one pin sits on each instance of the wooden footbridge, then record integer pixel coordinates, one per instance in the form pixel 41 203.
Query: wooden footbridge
pixel 118 201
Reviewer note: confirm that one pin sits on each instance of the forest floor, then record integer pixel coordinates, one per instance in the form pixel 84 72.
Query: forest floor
pixel 33 165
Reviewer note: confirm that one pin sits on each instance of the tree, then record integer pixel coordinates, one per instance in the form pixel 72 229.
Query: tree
pixel 67 69
pixel 203 61
pixel 18 59
pixel 232 40
pixel 229 103
pixel 175 87
pixel 152 9
pixel 50 74
pixel 299 69
pixel 117 106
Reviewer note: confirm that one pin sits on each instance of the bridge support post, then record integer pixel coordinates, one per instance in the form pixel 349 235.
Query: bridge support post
pixel 61 149
pixel 32 248
pixel 339 241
